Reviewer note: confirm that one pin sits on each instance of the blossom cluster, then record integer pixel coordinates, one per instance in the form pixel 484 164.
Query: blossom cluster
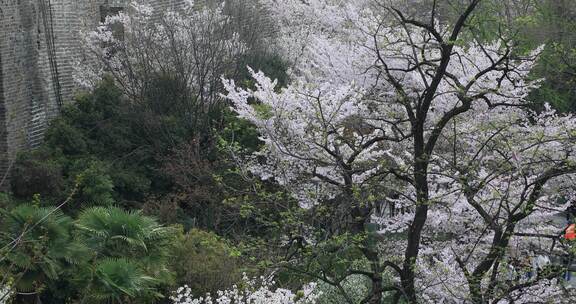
pixel 260 291
pixel 195 44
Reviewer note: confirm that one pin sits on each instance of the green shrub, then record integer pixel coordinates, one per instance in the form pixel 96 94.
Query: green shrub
pixel 205 262
pixel 92 141
pixel 96 187
pixel 64 136
pixel 37 172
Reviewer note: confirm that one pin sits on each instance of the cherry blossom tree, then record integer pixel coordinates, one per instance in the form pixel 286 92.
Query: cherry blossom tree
pixel 166 63
pixel 196 44
pixel 385 107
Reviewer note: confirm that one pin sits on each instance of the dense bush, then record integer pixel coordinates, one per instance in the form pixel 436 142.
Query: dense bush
pixel 37 172
pixel 90 147
pixel 205 262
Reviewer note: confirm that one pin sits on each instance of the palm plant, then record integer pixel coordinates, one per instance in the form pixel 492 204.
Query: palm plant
pixel 130 254
pixel 118 281
pixel 36 247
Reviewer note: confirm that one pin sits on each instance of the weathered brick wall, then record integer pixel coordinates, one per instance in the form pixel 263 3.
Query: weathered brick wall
pixel 68 19
pixel 3 145
pixel 22 86
pixel 164 5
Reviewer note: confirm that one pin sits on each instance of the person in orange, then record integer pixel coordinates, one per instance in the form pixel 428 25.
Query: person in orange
pixel 570 232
